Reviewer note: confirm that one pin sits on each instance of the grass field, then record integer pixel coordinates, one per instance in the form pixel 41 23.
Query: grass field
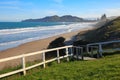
pixel 106 68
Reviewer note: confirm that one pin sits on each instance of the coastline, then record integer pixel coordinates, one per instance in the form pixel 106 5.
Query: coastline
pixel 37 45
pixel 11 38
pixel 34 46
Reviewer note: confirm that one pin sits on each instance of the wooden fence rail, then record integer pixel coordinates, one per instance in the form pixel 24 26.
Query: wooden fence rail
pixel 99 46
pixel 69 52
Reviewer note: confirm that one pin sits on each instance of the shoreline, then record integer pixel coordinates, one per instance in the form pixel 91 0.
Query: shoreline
pixel 36 45
pixel 14 37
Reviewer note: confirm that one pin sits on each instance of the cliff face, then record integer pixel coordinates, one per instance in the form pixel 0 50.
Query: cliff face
pixel 108 31
pixel 66 18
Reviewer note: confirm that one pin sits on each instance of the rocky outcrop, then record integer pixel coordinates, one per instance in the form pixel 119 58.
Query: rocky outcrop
pixel 103 17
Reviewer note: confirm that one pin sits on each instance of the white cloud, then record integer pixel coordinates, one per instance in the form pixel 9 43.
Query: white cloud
pixel 97 13
pixel 90 15
pixel 113 12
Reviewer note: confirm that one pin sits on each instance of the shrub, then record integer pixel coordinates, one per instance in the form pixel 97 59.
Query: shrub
pixel 58 42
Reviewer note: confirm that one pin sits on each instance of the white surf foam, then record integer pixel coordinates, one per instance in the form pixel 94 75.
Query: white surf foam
pixel 41 28
pixel 21 30
pixel 40 32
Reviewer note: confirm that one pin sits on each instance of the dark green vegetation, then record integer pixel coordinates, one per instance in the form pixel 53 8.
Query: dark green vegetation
pixel 58 42
pixel 109 31
pixel 55 18
pixel 106 68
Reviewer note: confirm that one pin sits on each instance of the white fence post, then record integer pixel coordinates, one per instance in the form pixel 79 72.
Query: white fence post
pixel 43 56
pixel 87 48
pixel 58 55
pixel 23 65
pixel 100 50
pixel 71 51
pixel 82 55
pixel 67 54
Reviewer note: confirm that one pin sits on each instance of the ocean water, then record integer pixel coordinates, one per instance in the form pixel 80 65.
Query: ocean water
pixel 13 34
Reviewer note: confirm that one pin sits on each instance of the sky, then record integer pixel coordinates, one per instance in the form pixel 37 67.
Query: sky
pixel 17 10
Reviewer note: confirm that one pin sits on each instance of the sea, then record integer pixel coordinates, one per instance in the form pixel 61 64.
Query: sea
pixel 13 34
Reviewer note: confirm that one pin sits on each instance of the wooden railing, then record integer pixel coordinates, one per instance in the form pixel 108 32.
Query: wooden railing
pixel 69 52
pixel 99 46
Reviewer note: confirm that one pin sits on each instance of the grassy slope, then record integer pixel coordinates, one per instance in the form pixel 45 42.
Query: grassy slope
pixel 108 31
pixel 107 68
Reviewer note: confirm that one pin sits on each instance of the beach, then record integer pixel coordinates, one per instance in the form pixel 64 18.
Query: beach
pixel 37 45
pixel 34 46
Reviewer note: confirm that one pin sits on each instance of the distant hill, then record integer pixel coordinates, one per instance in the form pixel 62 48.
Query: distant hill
pixel 55 18
pixel 109 30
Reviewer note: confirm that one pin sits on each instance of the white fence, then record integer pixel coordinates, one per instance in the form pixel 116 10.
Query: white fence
pixel 69 52
pixel 99 46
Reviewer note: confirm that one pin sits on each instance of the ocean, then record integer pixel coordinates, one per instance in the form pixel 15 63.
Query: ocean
pixel 13 34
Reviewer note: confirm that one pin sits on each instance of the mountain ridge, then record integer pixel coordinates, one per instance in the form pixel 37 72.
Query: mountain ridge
pixel 55 18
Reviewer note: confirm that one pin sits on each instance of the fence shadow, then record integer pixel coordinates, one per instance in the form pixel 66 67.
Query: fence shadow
pixel 111 53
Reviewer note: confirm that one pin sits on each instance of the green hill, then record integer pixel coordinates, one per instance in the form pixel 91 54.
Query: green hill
pixel 106 31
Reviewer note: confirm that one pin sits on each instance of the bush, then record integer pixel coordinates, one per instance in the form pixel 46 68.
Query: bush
pixel 58 42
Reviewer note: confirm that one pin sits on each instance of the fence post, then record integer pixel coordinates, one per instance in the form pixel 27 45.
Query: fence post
pixel 58 55
pixel 77 53
pixel 71 51
pixel 23 65
pixel 67 54
pixel 91 51
pixel 43 56
pixel 100 50
pixel 87 48
pixel 82 56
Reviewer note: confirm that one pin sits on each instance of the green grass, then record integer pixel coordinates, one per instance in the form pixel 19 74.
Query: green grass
pixel 106 68
pixel 109 30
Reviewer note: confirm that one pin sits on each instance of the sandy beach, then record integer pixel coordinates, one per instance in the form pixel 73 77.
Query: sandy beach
pixel 33 47
pixel 37 45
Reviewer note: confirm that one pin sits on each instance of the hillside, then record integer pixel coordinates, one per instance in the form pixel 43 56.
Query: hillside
pixel 107 68
pixel 55 18
pixel 106 31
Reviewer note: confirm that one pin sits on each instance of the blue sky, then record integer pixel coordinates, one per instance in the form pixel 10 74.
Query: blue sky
pixel 17 10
